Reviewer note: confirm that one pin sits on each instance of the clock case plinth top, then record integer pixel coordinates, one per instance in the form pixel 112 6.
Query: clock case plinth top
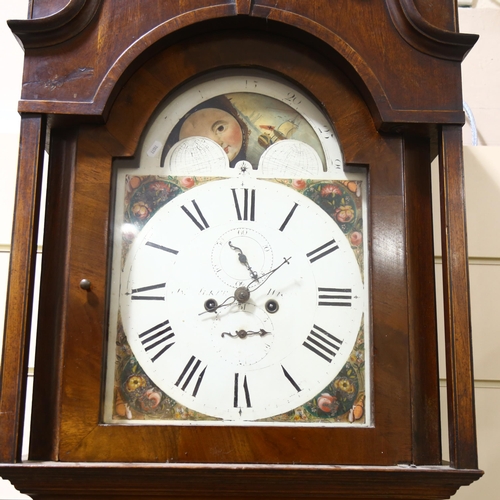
pixel 109 481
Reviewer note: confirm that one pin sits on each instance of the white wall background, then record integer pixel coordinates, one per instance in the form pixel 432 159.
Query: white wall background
pixel 481 84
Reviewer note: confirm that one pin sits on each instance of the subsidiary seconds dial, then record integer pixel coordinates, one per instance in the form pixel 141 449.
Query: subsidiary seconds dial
pixel 241 299
pixel 240 254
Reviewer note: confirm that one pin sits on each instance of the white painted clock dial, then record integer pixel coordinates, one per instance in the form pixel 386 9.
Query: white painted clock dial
pixel 241 299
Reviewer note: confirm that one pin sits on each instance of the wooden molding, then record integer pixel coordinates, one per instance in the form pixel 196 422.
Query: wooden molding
pixel 425 37
pixel 89 86
pixel 457 321
pixel 57 28
pixel 243 6
pixel 101 481
pixel 14 365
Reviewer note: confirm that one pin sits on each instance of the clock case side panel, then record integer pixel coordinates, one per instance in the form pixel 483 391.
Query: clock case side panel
pixel 53 296
pixel 54 323
pixel 424 372
pixel 19 300
pixel 414 281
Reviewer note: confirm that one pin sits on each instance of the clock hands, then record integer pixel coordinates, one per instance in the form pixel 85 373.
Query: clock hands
pixel 243 259
pixel 242 293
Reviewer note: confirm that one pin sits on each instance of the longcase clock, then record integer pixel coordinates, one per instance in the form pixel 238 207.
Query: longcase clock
pixel 237 292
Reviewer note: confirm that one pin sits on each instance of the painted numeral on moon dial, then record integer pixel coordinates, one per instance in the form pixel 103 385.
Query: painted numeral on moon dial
pixel 248 206
pixel 322 343
pixel 246 392
pixel 322 250
pixel 137 293
pixel 340 297
pixel 200 221
pixel 156 337
pixel 191 369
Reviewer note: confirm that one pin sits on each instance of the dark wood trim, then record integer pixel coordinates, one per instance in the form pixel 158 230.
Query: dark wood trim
pixel 57 28
pixel 361 61
pixel 459 369
pixel 422 311
pixel 53 296
pixel 54 481
pixel 14 367
pixel 243 6
pixel 425 37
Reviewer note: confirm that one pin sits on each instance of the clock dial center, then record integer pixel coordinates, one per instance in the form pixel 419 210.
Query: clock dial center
pixel 242 294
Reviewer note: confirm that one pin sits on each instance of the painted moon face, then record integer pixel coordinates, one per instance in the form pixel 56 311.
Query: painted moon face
pixel 215 124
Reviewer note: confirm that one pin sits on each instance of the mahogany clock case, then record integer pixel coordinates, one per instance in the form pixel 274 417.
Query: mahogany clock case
pixel 72 334
pixel 95 72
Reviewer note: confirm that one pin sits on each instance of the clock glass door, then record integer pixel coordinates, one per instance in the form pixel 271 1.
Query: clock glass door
pixel 239 290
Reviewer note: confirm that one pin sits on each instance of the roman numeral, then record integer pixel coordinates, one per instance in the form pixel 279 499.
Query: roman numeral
pixel 160 247
pixel 200 222
pixel 191 369
pixel 136 292
pixel 248 212
pixel 335 297
pixel 322 250
pixel 288 217
pixel 322 343
pixel 290 379
pixel 237 391
pixel 156 337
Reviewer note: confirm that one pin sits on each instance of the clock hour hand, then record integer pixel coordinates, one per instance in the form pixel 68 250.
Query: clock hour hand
pixel 244 260
pixel 245 333
pixel 212 306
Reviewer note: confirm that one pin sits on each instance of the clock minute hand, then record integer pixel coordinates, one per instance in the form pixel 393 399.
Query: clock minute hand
pixel 267 275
